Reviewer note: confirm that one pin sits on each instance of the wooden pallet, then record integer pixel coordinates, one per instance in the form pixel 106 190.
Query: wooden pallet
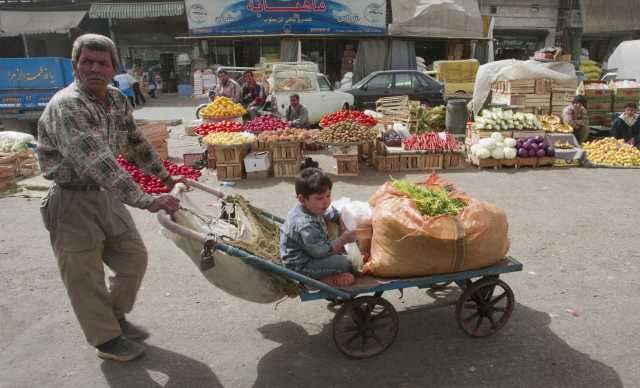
pixel 387 163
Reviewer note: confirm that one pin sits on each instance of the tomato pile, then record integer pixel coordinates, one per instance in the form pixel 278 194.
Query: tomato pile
pixel 223 126
pixel 346 114
pixel 151 184
pixel 430 141
pixel 264 123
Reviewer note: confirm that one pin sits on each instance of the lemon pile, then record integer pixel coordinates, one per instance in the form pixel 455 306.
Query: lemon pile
pixel 612 152
pixel 222 107
pixel 552 123
pixel 229 138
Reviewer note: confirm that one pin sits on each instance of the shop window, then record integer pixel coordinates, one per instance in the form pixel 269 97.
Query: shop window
pixel 314 50
pixel 381 81
pixel 222 54
pixel 270 50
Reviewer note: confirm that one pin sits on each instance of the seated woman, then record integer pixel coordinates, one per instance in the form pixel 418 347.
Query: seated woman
pixel 627 125
pixel 304 238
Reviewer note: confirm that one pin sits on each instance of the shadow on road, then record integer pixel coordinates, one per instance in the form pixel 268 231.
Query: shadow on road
pixel 431 351
pixel 159 368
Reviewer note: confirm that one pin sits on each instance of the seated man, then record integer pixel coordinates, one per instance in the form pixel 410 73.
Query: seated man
pixel 252 94
pixel 304 238
pixel 627 125
pixel 576 116
pixel 297 115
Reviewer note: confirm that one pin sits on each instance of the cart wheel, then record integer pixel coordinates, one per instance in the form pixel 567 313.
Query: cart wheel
pixel 365 327
pixel 482 309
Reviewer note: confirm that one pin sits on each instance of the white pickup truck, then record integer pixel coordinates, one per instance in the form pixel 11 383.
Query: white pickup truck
pixel 315 91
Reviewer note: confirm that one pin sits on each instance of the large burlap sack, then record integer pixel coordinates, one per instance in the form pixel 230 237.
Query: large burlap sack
pixel 406 243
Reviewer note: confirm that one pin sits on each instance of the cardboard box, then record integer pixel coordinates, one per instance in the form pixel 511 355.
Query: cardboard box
pixel 257 162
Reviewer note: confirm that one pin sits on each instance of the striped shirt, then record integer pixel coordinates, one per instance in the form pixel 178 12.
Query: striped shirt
pixel 79 138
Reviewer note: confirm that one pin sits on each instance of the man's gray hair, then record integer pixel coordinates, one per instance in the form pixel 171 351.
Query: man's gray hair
pixel 97 43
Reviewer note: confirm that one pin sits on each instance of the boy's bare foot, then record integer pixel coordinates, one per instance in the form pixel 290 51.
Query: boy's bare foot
pixel 340 280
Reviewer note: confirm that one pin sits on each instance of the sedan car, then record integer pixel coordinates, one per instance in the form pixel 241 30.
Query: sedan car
pixel 412 83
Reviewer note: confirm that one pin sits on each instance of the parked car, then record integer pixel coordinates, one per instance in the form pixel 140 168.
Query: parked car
pixel 315 90
pixel 412 83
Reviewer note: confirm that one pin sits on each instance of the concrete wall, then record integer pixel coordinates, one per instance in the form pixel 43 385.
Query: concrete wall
pixel 520 15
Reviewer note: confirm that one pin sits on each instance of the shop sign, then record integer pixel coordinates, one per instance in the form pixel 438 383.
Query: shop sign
pixel 256 17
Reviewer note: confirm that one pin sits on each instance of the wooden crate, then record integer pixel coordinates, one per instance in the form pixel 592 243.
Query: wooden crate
pixel 211 163
pixel 289 151
pixel 387 163
pixel 413 162
pixel 286 168
pixel 526 162
pixel 381 148
pixel 508 163
pixel 230 154
pixel 7 183
pixel 347 165
pixel 525 134
pixel 229 172
pixel 259 146
pixel 9 160
pixel 484 163
pixel 433 161
pixel 189 159
pixel 453 161
pixel 345 150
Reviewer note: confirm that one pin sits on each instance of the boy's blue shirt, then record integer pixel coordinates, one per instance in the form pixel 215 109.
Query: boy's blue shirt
pixel 304 236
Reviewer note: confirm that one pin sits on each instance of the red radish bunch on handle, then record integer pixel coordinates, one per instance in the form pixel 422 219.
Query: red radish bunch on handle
pixel 431 141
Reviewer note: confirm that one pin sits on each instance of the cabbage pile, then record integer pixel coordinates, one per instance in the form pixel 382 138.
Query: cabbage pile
pixel 497 119
pixel 496 146
pixel 11 141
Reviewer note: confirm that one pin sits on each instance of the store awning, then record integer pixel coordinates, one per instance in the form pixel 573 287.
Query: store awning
pixel 13 23
pixel 135 10
pixel 459 19
pixel 600 17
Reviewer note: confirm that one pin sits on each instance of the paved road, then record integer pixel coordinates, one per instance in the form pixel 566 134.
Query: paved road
pixel 576 231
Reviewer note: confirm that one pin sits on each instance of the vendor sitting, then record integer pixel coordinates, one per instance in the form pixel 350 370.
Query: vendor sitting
pixel 627 125
pixel 304 238
pixel 297 115
pixel 576 116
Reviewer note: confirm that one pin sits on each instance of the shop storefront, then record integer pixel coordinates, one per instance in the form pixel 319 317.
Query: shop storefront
pixel 145 34
pixel 241 33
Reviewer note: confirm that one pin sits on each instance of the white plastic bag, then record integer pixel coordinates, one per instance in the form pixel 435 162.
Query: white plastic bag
pixel 355 215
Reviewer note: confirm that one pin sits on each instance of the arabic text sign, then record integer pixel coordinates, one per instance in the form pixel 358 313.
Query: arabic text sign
pixel 254 17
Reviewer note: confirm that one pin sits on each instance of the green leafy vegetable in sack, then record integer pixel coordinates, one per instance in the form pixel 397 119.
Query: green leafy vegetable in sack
pixel 430 202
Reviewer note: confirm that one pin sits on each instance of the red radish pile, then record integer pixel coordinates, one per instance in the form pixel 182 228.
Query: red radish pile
pixel 264 123
pixel 151 184
pixel 346 114
pixel 223 126
pixel 430 141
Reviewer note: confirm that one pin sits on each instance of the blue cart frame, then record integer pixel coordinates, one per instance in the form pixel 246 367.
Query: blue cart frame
pixel 366 324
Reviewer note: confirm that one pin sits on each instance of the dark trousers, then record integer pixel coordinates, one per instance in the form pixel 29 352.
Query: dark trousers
pixel 131 101
pixel 138 93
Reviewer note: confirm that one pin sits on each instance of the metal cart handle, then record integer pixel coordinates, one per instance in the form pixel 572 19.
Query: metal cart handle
pixel 165 219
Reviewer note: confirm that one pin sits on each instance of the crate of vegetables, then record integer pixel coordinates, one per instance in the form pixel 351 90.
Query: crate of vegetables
pixel 346 114
pixel 264 123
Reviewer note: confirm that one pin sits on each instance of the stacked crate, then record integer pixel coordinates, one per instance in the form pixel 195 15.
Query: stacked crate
pixel 286 158
pixel 229 161
pixel 8 163
pixel 347 159
pixel 531 96
pixel 157 134
pixel 624 93
pixel 599 101
pixel 562 94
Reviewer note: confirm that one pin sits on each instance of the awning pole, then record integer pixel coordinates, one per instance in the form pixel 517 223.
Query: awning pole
pixel 26 45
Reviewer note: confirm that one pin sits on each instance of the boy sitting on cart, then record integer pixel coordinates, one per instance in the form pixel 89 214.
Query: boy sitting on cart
pixel 305 246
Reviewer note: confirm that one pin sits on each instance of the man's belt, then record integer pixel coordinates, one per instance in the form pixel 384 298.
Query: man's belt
pixel 76 187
